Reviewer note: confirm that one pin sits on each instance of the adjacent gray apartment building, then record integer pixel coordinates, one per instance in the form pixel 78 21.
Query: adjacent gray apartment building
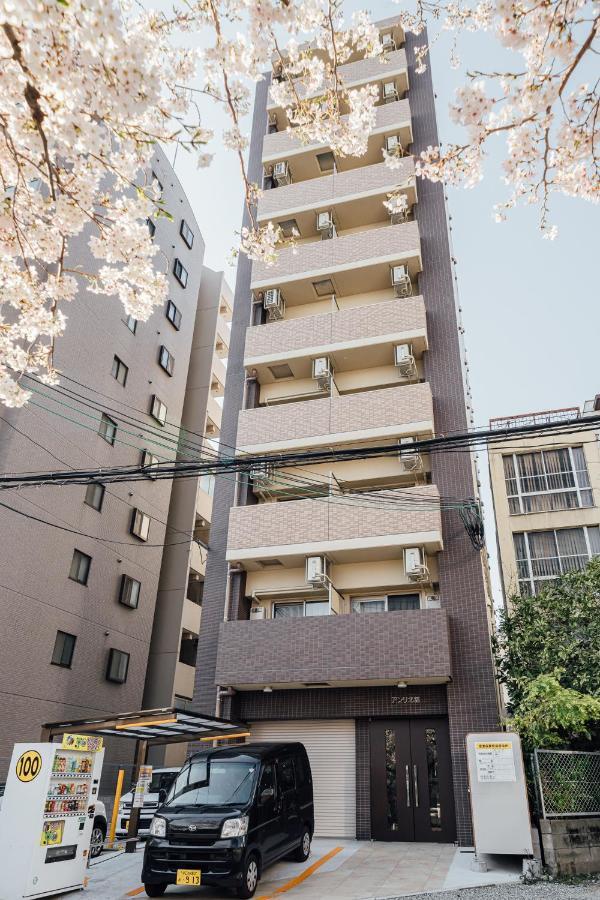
pixel 345 605
pixel 84 569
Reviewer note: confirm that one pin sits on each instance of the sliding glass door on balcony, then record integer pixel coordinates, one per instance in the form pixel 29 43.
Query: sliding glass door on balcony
pixel 544 555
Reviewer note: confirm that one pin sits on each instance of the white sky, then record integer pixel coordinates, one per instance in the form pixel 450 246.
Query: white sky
pixel 530 306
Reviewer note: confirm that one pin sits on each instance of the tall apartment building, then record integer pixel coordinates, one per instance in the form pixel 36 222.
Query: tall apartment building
pixel 79 595
pixel 546 493
pixel 345 606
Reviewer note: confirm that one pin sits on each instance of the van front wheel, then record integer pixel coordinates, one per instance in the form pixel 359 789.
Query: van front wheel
pixel 249 878
pixel 302 852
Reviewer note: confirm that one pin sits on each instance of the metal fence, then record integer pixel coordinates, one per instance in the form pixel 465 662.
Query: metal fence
pixel 567 782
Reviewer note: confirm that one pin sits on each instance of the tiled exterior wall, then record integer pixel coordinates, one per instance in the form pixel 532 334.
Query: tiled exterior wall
pixel 388 241
pixel 332 189
pixel 281 142
pixel 364 70
pixel 374 320
pixel 298 521
pixel 395 406
pixel 411 644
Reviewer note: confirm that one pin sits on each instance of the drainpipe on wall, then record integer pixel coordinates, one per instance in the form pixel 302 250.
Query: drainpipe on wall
pixel 231 571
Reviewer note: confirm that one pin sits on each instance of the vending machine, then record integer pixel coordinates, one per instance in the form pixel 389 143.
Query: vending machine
pixel 47 816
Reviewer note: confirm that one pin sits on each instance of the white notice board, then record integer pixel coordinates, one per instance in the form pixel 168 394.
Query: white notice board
pixel 498 793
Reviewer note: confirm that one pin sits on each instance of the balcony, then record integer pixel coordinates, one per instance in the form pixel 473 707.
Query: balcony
pixel 368 415
pixel 345 527
pixel 350 264
pixel 349 332
pixel 354 649
pixel 198 556
pixel 214 415
pixel 393 118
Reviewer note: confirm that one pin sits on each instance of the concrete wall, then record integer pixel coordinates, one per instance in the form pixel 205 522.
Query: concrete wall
pixel 571 846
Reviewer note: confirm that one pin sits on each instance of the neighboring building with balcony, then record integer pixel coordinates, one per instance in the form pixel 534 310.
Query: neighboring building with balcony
pixel 345 605
pixel 83 596
pixel 546 494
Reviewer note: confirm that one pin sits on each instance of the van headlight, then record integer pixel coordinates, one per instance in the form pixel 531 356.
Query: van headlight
pixel 235 827
pixel 158 827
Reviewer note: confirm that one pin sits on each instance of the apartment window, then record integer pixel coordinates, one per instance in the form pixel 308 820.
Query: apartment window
pixel 173 315
pixel 64 648
pixel 543 555
pixel 118 666
pixel 158 410
pixel 186 233
pixel 300 608
pixel 119 371
pixel 547 480
pixel 324 288
pixel 207 484
pixel 129 593
pixel 108 429
pixel 151 226
pixel 166 360
pixel 180 272
pixel 80 567
pixel 94 496
pixel 150 462
pixel 157 180
pixel 391 603
pixel 140 524
pixel 188 648
pixel 131 323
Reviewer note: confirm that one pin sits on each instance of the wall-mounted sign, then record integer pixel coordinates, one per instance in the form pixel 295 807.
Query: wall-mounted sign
pixel 495 761
pixel 142 786
pixel 89 742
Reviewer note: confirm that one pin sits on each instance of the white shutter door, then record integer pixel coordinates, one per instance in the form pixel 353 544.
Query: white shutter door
pixel 331 750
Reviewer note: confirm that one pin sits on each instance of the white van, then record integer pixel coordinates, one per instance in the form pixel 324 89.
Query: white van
pixel 162 780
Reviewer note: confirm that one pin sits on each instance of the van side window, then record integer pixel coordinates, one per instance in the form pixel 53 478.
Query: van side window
pixel 286 773
pixel 267 779
pixel 301 772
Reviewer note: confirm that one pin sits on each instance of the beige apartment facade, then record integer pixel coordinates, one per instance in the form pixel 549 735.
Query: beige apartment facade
pixel 345 605
pixel 546 493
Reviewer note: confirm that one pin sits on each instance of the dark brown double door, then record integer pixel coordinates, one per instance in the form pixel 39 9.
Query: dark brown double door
pixel 411 781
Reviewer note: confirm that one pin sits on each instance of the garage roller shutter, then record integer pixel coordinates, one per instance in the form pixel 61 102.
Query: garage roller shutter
pixel 331 750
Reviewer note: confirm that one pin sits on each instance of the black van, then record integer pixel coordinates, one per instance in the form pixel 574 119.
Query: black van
pixel 229 814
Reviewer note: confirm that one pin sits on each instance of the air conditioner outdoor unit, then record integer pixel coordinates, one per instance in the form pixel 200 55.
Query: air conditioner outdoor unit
pixel 399 210
pixel 274 304
pixel 261 476
pixel 316 571
pixel 393 145
pixel 257 612
pixel 432 602
pixel 390 92
pixel 401 281
pixel 388 41
pixel 414 566
pixel 282 174
pixel 322 372
pixel 411 461
pixel 325 225
pixel 404 360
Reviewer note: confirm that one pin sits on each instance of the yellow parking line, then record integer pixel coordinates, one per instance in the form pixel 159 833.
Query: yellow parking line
pixel 303 875
pixel 135 892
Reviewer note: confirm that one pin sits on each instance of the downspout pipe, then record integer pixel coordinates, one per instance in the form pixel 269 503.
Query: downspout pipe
pixel 232 570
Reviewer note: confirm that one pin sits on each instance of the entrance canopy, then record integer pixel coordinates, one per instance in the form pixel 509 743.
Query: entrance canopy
pixel 169 725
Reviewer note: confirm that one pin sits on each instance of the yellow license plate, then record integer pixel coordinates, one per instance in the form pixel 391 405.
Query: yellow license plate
pixel 188 876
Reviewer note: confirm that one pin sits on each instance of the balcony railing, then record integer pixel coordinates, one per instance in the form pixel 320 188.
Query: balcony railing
pixel 386 412
pixel 409 517
pixel 396 320
pixel 346 649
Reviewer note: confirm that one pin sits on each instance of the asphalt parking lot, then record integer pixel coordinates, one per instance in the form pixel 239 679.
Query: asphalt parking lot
pixel 336 869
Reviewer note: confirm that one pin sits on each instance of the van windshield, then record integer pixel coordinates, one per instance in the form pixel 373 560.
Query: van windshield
pixel 213 782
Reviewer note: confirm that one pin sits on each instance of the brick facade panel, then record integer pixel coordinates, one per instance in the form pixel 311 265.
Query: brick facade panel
pixel 308 332
pixel 317 256
pixel 395 406
pixel 281 142
pixel 411 644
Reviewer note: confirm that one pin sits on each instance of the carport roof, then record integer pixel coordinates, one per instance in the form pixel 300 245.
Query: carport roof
pixel 156 726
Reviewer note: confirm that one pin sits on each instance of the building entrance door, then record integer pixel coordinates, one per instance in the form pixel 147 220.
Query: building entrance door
pixel 411 781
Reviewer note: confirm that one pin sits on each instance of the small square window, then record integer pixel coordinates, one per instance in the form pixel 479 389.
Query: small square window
pixel 157 180
pixel 129 594
pixel 326 161
pixel 158 410
pixel 64 648
pixel 117 667
pixel 151 226
pixel 80 567
pixel 108 429
pixel 120 371
pixel 281 370
pixel 180 272
pixel 186 233
pixel 150 462
pixel 140 524
pixel 166 360
pixel 323 288
pixel 173 315
pixel 94 496
pixel 289 228
pixel 131 323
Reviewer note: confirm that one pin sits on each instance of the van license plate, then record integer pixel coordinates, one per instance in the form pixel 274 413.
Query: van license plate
pixel 188 876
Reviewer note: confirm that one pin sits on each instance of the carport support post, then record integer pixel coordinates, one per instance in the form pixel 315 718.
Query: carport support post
pixel 141 752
